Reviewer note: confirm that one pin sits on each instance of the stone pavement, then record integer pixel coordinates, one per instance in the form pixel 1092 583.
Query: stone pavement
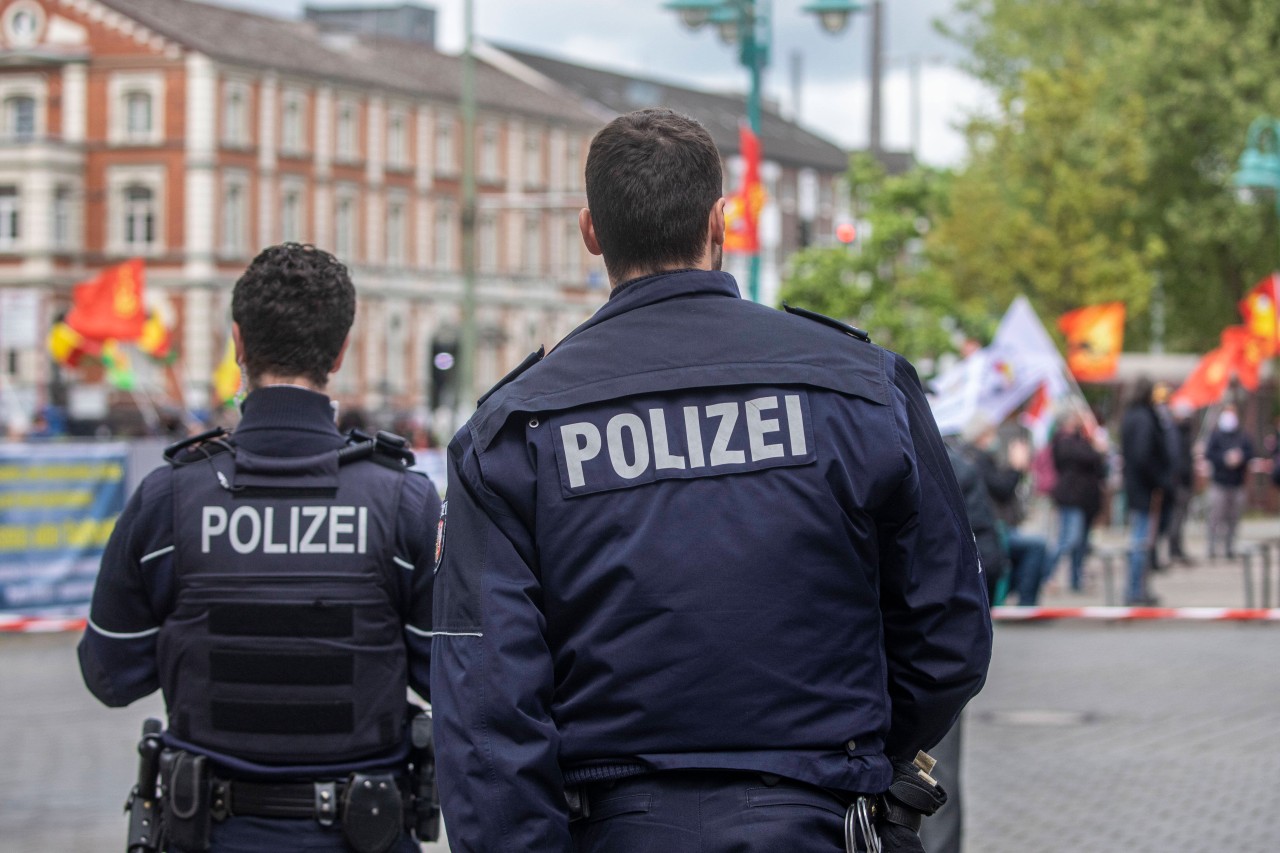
pixel 1132 738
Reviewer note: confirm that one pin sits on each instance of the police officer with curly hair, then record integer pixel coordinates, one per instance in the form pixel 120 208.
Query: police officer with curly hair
pixel 707 580
pixel 275 585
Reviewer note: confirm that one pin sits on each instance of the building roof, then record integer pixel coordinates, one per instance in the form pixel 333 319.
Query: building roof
pixel 300 47
pixel 783 141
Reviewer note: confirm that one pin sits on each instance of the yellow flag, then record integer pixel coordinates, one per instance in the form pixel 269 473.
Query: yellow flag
pixel 226 376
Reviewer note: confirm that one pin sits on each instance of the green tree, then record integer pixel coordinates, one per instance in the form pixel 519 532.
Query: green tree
pixel 885 281
pixel 1107 167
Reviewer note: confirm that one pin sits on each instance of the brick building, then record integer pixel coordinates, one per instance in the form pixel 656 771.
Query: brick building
pixel 192 134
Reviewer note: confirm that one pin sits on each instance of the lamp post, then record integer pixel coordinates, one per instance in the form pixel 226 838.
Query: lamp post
pixel 467 339
pixel 746 24
pixel 1260 162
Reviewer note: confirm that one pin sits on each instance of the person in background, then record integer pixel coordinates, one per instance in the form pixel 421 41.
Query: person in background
pixel 1077 494
pixel 1228 452
pixel 1146 482
pixel 1184 476
pixel 1003 474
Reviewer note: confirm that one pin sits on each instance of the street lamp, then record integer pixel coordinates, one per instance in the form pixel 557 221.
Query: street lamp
pixel 746 23
pixel 1260 162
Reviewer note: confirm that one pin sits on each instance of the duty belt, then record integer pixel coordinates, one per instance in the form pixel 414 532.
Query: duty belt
pixel 318 800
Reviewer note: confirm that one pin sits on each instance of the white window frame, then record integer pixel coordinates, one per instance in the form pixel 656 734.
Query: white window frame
pixel 534 146
pixel 531 260
pixel 119 87
pixel 490 160
pixel 396 234
pixel 446 161
pixel 13 117
pixel 346 224
pixel 234 215
pixel 10 218
pixel 119 180
pixel 62 218
pixel 24 86
pixel 398 138
pixel 346 130
pixel 236 115
pixel 443 228
pixel 487 242
pixel 293 140
pixel 297 233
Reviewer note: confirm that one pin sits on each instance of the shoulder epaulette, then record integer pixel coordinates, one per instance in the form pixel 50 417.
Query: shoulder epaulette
pixel 386 447
pixel 852 331
pixel 529 361
pixel 197 447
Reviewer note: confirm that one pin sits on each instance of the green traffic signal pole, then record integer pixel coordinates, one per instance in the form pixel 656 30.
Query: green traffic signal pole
pixel 467 339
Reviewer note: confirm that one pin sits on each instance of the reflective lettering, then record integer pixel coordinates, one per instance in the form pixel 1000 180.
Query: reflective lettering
pixel 255 526
pixel 720 452
pixel 339 528
pixel 693 437
pixel 795 425
pixel 213 522
pixel 362 528
pixel 268 525
pixel 662 456
pixel 308 544
pixel 639 445
pixel 758 428
pixel 293 530
pixel 581 442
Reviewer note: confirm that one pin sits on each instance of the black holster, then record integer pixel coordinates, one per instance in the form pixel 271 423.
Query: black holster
pixel 186 784
pixel 372 812
pixel 422 775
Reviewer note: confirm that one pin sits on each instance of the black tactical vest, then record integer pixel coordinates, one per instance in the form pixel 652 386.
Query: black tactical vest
pixel 285 643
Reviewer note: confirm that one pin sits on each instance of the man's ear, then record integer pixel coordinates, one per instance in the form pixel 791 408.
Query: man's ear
pixel 715 223
pixel 588 229
pixel 239 342
pixel 342 353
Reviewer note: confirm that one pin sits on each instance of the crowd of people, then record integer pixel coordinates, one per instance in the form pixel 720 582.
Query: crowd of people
pixel 1146 476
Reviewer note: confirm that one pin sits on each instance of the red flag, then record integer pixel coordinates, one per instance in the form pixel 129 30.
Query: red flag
pixel 1095 336
pixel 110 306
pixel 1259 311
pixel 742 209
pixel 1207 383
pixel 1245 353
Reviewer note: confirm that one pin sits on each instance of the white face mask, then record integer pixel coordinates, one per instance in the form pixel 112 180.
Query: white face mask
pixel 1227 422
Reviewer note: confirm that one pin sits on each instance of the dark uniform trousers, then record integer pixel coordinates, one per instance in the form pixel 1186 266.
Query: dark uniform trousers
pixel 276 835
pixel 711 811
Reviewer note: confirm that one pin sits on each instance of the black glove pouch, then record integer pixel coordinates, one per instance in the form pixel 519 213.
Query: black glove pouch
pixel 187 784
pixel 372 812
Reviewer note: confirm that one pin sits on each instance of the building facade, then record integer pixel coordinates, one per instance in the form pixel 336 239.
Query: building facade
pixel 192 135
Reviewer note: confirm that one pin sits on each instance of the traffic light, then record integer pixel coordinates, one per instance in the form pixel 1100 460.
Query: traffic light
pixel 846 232
pixel 444 373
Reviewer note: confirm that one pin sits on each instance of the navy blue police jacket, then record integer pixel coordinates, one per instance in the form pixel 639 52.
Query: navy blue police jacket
pixel 138 640
pixel 700 533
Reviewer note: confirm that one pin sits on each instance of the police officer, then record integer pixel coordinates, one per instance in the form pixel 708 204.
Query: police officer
pixel 706 574
pixel 276 586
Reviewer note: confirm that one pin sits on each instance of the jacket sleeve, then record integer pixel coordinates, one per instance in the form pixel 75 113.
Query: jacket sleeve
pixel 118 650
pixel 491 676
pixel 416 539
pixel 933 600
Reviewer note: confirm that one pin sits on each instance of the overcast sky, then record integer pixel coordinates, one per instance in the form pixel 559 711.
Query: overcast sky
pixel 641 37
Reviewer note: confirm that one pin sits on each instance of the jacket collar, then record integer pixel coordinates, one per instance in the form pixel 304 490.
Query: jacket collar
pixel 652 289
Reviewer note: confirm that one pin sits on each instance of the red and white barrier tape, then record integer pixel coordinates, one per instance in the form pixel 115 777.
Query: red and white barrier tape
pixel 1134 614
pixel 53 624
pixel 40 624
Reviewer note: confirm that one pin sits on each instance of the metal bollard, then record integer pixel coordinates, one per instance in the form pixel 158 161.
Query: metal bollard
pixel 1108 578
pixel 1248 577
pixel 1266 574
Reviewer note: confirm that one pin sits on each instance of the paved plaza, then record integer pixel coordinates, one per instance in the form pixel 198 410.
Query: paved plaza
pixel 1133 738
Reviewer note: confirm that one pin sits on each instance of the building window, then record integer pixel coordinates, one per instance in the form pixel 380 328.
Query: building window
pixel 397 141
pixel 139 218
pixel 571 254
pixel 395 234
pixel 20 118
pixel 444 235
pixel 346 138
pixel 489 163
pixel 137 116
pixel 487 243
pixel 446 164
pixel 532 260
pixel 533 159
pixel 344 229
pixel 62 211
pixel 291 125
pixel 291 216
pixel 234 219
pixel 572 164
pixel 10 218
pixel 235 116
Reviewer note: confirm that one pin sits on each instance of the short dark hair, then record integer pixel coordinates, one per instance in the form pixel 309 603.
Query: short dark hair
pixel 652 178
pixel 294 305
